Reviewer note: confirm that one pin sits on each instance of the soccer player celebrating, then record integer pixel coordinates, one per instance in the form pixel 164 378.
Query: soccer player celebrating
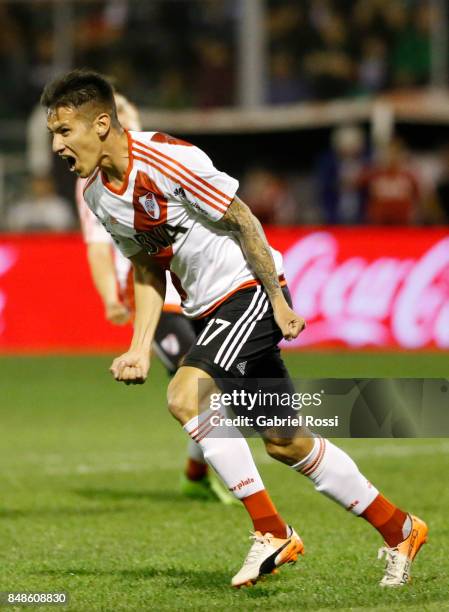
pixel 167 207
pixel 112 276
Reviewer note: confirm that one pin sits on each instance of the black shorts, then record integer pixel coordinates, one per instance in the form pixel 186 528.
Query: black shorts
pixel 239 339
pixel 174 336
pixel 238 346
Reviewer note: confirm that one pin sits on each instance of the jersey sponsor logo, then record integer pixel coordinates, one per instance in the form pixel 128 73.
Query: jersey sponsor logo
pixel 159 238
pixel 180 193
pixel 150 205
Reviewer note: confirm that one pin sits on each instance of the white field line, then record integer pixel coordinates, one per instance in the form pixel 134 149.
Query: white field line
pixel 84 468
pixel 140 461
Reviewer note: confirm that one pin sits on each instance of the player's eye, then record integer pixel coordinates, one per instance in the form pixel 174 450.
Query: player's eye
pixel 64 131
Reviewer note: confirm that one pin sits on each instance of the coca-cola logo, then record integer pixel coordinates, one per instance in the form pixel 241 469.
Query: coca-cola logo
pixel 382 301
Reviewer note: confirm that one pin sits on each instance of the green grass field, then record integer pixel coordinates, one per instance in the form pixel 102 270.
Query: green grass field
pixel 90 502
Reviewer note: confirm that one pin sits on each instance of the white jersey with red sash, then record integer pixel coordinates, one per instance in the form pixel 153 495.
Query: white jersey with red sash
pixel 168 204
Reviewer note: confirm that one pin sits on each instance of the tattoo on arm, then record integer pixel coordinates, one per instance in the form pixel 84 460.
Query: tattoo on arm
pixel 240 220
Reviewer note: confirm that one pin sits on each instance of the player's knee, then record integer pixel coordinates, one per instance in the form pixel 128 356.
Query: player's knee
pixel 288 450
pixel 280 449
pixel 179 403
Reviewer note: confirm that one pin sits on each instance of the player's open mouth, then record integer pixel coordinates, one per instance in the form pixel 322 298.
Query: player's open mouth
pixel 71 162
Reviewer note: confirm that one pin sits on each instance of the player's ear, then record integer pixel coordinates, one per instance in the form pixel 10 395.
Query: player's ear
pixel 102 124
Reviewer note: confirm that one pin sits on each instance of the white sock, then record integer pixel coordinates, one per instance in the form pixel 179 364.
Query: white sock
pixel 228 455
pixel 336 475
pixel 195 452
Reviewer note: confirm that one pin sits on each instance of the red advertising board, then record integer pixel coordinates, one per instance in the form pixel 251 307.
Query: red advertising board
pixel 356 287
pixel 47 300
pixel 369 287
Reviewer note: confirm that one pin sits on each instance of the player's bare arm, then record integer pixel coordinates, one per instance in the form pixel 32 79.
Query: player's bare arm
pixel 149 290
pixel 240 220
pixel 101 264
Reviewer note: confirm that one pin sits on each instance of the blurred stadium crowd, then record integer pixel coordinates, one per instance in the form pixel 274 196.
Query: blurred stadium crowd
pixel 349 185
pixel 347 47
pixel 179 54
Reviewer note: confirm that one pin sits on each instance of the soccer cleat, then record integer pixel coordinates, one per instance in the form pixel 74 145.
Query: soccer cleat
pixel 266 554
pixel 207 489
pixel 399 558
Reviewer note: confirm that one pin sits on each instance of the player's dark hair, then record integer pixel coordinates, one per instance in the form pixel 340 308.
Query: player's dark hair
pixel 78 87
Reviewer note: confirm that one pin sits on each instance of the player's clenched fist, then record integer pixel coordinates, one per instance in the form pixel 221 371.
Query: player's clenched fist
pixel 117 313
pixel 290 323
pixel 131 368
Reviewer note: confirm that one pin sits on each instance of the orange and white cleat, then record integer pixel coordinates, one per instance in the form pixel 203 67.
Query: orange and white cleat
pixel 399 558
pixel 266 554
